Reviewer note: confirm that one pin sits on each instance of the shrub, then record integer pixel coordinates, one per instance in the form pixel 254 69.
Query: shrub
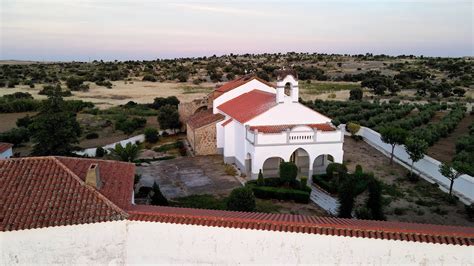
pixel 346 199
pixel 15 136
pixel 336 168
pixel 321 180
pixel 303 182
pixel 76 83
pixel 281 194
pixel 149 77
pixel 288 172
pixel 363 213
pixel 355 94
pixel 260 180
pixel 241 199
pixel 100 152
pixel 353 128
pixel 230 170
pixel 151 135
pixel 470 211
pixel 358 170
pixel 374 202
pixel 23 121
pixel 157 197
pixel 399 211
pixel 92 135
pixel 128 126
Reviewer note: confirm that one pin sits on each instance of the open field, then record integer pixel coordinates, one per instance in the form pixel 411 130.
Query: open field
pixel 123 92
pixel 419 202
pixel 8 120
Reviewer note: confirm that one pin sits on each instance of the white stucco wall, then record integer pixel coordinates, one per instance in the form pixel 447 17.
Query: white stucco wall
pixel 134 242
pixel 229 144
pixel 100 243
pixel 288 113
pixel 249 86
pixel 6 154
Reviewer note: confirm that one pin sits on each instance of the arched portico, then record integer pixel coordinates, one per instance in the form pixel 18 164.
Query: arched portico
pixel 301 158
pixel 321 162
pixel 271 166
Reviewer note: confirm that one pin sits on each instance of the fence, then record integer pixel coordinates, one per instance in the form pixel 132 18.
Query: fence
pixel 427 168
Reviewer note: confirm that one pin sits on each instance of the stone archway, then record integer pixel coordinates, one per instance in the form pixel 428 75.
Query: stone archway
pixel 300 157
pixel 271 167
pixel 321 162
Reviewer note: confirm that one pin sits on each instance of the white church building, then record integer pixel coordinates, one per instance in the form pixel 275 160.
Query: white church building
pixel 258 125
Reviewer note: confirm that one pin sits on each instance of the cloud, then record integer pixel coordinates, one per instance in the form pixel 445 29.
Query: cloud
pixel 213 8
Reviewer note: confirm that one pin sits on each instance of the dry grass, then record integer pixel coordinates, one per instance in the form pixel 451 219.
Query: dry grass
pixel 122 92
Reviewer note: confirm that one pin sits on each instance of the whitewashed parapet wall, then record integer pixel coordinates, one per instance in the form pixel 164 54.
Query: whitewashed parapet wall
pixel 427 168
pixel 135 242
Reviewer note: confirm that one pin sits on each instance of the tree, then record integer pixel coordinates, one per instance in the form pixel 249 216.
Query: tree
pixel 356 94
pixel 416 148
pixel 241 199
pixel 452 171
pixel 374 201
pixel 100 152
pixel 346 198
pixel 393 136
pixel 54 129
pixel 129 153
pixel 353 128
pixel 157 197
pixel 288 172
pixel 151 135
pixel 168 117
pixel 260 180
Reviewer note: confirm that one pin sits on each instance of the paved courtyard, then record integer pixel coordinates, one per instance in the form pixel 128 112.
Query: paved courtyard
pixel 186 176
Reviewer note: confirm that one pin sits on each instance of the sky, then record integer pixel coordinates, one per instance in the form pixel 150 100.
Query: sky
pixel 84 30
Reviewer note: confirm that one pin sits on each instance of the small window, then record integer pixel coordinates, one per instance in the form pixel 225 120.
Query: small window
pixel 287 89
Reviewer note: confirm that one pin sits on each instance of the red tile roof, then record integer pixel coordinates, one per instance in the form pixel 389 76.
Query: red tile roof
pixel 227 122
pixel 307 224
pixel 204 118
pixel 117 177
pixel 43 191
pixel 281 128
pixel 239 82
pixel 248 105
pixel 5 146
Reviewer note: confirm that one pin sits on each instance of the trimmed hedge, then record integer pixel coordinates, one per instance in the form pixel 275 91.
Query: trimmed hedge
pixel 274 189
pixel 281 194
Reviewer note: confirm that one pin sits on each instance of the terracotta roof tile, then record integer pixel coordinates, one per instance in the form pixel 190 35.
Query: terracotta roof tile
pixel 248 105
pixel 307 224
pixel 5 146
pixel 42 192
pixel 204 118
pixel 227 122
pixel 228 86
pixel 281 128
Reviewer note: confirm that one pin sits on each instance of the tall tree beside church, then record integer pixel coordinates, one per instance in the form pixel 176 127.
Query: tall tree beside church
pixel 55 129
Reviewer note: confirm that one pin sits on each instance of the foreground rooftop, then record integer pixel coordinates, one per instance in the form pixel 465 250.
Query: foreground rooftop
pixel 40 192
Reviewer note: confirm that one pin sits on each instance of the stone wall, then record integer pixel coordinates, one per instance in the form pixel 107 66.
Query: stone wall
pixel 205 141
pixel 186 110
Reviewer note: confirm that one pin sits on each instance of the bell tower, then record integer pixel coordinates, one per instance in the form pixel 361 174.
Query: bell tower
pixel 287 86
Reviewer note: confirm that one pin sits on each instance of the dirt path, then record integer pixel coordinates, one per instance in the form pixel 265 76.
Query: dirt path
pixel 444 149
